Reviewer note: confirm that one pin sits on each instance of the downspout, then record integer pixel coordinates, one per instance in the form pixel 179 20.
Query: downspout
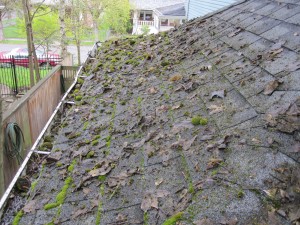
pixel 188 10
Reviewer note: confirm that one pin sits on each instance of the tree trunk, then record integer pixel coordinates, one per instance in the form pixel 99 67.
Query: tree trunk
pixel 78 51
pixel 29 41
pixel 63 36
pixel 96 30
pixel 35 59
pixel 1 27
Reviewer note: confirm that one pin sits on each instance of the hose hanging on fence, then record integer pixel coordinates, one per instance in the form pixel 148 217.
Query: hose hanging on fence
pixel 13 141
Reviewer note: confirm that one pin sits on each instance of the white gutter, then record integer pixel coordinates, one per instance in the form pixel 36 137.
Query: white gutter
pixel 33 148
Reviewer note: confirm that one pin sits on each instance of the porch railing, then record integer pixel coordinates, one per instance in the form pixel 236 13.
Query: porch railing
pixel 146 22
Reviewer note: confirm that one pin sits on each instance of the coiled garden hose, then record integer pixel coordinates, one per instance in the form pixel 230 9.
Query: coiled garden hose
pixel 13 141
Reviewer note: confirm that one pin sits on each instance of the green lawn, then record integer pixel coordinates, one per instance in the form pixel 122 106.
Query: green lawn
pixel 23 77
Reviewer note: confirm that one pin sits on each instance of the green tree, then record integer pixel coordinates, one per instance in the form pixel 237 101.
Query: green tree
pixel 44 27
pixel 6 6
pixel 116 15
pixel 75 24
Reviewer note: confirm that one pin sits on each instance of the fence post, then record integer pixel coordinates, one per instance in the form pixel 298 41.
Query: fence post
pixel 15 74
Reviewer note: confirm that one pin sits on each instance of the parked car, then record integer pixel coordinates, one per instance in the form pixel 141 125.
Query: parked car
pixel 19 56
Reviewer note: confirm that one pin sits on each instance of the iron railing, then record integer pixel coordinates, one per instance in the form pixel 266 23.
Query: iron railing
pixel 15 75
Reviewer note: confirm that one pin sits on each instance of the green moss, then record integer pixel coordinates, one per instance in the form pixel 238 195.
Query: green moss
pixel 93 110
pixel 187 114
pixel 191 188
pixel 96 137
pixel 51 205
pixel 85 125
pixel 60 198
pixel 102 178
pixel 59 164
pixel 132 41
pixel 240 194
pixel 146 218
pixel 48 138
pixel 80 81
pixel 74 135
pixel 50 223
pixel 33 185
pixel 165 63
pixel 173 219
pixel 95 142
pixel 18 217
pixel 76 91
pixel 90 154
pixel 78 98
pixel 196 120
pixel 47 145
pixel 123 102
pixel 64 124
pixel 203 121
pixel 71 167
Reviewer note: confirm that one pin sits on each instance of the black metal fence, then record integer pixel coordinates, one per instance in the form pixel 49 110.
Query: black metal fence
pixel 15 75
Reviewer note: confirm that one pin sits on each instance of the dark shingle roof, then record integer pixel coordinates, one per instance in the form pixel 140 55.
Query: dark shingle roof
pixel 136 156
pixel 173 10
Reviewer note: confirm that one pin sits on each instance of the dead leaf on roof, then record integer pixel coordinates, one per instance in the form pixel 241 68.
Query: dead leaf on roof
pixel 122 178
pixel 213 162
pixel 206 68
pixel 149 201
pixel 218 94
pixel 204 222
pixel 191 86
pixel 103 168
pixel 204 184
pixel 79 212
pixel 152 90
pixel 86 191
pixel 236 32
pixel 30 206
pixel 271 87
pixel 94 203
pixel 176 106
pixel 185 144
pixel 121 218
pixel 215 109
pixel 159 181
pixel 175 77
pixel 274 53
pixel 162 108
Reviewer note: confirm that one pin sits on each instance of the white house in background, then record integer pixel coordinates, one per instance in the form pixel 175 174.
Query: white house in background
pixel 198 8
pixel 158 15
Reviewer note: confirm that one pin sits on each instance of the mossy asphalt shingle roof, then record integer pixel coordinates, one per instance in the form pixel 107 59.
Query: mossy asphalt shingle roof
pixel 137 158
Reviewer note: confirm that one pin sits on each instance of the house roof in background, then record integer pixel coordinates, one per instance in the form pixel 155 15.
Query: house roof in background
pixel 152 4
pixel 172 10
pixel 201 123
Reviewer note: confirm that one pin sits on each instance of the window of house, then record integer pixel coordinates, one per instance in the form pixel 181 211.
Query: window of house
pixel 164 22
pixel 148 16
pixel 141 16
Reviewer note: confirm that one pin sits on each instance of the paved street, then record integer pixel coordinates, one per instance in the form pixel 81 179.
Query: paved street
pixel 71 49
